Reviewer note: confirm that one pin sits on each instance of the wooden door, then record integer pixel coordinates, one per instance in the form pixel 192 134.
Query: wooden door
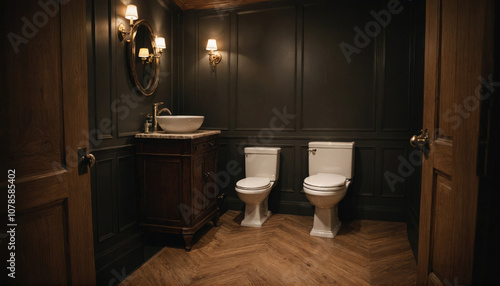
pixel 458 52
pixel 44 120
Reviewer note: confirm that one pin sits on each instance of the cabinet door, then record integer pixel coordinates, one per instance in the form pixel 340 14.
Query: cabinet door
pixel 210 188
pixel 162 190
pixel 197 194
pixel 204 191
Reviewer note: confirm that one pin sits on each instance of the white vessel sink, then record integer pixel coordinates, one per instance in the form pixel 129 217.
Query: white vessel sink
pixel 180 123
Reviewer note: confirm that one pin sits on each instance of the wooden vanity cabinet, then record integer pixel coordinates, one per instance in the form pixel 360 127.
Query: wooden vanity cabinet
pixel 178 184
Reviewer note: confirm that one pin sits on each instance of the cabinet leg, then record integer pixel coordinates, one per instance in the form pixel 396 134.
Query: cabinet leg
pixel 215 220
pixel 187 241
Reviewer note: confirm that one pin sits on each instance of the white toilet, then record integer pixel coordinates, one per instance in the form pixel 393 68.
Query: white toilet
pixel 331 168
pixel 261 170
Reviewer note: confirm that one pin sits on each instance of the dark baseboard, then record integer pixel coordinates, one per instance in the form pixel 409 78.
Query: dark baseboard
pixel 116 263
pixel 235 204
pixel 383 213
pixel 284 207
pixel 397 214
pixel 412 231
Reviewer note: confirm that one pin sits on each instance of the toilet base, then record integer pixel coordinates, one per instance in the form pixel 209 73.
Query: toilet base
pixel 326 222
pixel 256 215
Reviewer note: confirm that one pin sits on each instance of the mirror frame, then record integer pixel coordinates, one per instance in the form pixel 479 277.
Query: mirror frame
pixel 154 79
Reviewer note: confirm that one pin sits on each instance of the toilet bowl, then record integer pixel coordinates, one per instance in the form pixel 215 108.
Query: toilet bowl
pixel 330 169
pixel 254 192
pixel 325 191
pixel 261 169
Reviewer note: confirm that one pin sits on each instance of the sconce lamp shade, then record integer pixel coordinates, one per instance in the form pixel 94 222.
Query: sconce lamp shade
pixel 211 45
pixel 143 53
pixel 160 43
pixel 131 13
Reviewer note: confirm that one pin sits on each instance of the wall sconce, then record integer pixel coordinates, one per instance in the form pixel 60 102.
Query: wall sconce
pixel 146 57
pixel 130 14
pixel 160 45
pixel 213 57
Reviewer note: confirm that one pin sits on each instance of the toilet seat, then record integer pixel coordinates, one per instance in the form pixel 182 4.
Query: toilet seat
pixel 325 182
pixel 323 191
pixel 253 183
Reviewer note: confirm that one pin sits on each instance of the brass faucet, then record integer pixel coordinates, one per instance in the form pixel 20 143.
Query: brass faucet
pixel 157 112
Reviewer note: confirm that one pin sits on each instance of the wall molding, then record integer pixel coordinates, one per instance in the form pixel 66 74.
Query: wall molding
pixel 365 102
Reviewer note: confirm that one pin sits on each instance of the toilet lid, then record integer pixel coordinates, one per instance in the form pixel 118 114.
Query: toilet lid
pixel 253 183
pixel 324 180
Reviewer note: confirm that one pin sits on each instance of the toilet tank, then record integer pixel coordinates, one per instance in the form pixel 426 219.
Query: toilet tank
pixel 262 162
pixel 331 157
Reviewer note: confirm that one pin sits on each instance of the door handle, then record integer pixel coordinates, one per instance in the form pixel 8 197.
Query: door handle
pixel 89 159
pixel 84 161
pixel 206 175
pixel 420 141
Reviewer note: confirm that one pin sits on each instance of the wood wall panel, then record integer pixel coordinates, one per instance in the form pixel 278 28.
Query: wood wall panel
pixel 338 94
pixel 104 191
pixel 397 81
pixel 114 265
pixel 374 100
pixel 286 181
pixel 103 67
pixel 225 177
pixel 127 192
pixel 364 171
pixel 117 110
pixel 114 105
pixel 364 197
pixel 132 108
pixel 266 66
pixel 303 166
pixel 394 161
pixel 214 84
pixel 237 154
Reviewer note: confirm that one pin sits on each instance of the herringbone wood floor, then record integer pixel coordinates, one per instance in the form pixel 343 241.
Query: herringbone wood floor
pixel 282 253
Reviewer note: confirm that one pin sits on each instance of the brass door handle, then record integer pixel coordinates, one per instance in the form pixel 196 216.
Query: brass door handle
pixel 420 141
pixel 84 161
pixel 89 159
pixel 206 175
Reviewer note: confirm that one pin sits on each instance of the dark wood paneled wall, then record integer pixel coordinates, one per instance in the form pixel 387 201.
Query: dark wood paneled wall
pixel 486 246
pixel 116 114
pixel 284 81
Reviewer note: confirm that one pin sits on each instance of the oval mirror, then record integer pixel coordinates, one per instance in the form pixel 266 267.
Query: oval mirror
pixel 144 72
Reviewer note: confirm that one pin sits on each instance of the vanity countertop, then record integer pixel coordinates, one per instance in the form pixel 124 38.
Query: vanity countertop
pixel 164 135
